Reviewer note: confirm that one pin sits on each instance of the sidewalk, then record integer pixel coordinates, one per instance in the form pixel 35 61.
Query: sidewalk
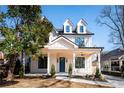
pixel 83 81
pixel 116 82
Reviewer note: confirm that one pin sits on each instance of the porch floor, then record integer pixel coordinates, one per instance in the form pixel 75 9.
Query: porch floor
pixel 41 74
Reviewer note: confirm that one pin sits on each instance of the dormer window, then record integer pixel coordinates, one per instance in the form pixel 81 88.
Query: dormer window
pixel 68 26
pixel 67 29
pixel 81 26
pixel 81 29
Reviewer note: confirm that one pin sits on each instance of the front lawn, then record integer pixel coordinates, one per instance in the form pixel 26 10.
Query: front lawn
pixel 46 83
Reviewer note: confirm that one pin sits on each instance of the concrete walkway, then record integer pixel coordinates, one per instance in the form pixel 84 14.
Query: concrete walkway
pixel 116 82
pixel 83 81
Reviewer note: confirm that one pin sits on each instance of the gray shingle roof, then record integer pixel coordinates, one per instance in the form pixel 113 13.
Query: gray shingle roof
pixel 74 32
pixel 114 54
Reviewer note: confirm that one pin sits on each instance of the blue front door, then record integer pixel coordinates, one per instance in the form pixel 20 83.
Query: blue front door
pixel 62 64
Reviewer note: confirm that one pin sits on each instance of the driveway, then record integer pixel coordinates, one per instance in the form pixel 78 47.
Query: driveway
pixel 116 82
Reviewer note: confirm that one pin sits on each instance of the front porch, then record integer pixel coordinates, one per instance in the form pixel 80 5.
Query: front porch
pixel 81 60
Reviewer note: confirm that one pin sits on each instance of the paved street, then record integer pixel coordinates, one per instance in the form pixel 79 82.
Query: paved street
pixel 117 82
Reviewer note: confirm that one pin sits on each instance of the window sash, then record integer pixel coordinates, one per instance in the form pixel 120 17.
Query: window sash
pixel 42 62
pixel 81 29
pixel 79 62
pixel 80 41
pixel 67 29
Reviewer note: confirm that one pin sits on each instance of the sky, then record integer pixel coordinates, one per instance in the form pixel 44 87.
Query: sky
pixel 57 14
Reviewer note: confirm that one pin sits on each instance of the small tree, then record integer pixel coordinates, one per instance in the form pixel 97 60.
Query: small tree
pixel 70 70
pixel 52 71
pixel 21 72
pixel 97 74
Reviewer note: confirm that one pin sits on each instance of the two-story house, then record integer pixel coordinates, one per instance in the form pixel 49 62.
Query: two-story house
pixel 69 45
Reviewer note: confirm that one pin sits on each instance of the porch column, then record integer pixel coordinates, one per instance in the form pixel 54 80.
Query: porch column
pixel 99 66
pixel 120 63
pixel 110 68
pixel 48 63
pixel 73 62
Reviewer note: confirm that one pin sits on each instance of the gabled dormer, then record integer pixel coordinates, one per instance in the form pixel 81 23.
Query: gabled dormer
pixel 81 26
pixel 68 26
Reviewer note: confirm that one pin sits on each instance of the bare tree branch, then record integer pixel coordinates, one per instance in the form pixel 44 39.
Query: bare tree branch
pixel 121 22
pixel 109 26
pixel 114 22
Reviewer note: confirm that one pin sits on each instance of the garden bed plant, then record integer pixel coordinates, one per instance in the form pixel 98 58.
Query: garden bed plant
pixel 97 77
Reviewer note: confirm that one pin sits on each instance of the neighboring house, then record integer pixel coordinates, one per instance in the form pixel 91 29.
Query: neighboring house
pixel 113 60
pixel 68 46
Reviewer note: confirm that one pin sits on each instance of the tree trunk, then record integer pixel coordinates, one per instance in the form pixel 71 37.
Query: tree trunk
pixel 12 63
pixel 23 60
pixel 10 76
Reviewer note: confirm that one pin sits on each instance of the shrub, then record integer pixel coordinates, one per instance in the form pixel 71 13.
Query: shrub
pixel 70 70
pixel 52 71
pixel 97 74
pixel 118 74
pixel 102 78
pixel 87 76
pixel 21 72
pixel 122 75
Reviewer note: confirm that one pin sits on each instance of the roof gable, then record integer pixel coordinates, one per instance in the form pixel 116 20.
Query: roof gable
pixel 68 22
pixel 62 43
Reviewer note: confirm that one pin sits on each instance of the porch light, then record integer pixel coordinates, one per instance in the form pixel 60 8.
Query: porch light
pixel 81 54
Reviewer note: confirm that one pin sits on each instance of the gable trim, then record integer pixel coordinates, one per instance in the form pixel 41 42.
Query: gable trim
pixel 66 39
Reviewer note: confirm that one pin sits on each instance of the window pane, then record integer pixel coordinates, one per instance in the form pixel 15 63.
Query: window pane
pixel 79 62
pixel 80 41
pixel 81 29
pixel 67 29
pixel 42 62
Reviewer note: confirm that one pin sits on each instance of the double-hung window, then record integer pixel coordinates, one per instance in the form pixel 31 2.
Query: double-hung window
pixel 42 62
pixel 67 28
pixel 81 29
pixel 79 62
pixel 80 41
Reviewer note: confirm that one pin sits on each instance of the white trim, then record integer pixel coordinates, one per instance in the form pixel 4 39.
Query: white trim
pixel 74 62
pixel 63 39
pixel 68 20
pixel 68 23
pixel 99 66
pixel 48 63
pixel 80 23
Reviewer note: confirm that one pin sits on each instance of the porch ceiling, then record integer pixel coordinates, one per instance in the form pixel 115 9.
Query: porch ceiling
pixel 88 51
pixel 76 51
